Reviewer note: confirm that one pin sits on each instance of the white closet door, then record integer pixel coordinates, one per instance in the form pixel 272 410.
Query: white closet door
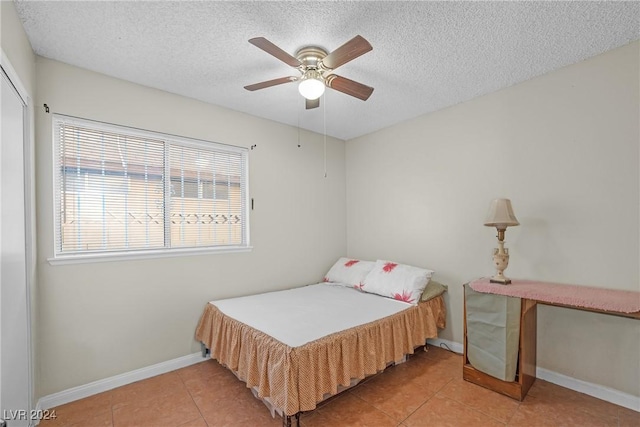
pixel 14 314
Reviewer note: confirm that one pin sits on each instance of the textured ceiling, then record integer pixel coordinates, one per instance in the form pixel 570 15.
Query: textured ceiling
pixel 426 55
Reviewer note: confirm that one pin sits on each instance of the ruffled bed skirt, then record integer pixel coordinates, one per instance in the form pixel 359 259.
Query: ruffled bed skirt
pixel 295 379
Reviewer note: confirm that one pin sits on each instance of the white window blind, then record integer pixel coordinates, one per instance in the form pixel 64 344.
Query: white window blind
pixel 122 190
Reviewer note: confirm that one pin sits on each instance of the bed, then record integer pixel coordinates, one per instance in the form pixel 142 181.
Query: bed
pixel 297 347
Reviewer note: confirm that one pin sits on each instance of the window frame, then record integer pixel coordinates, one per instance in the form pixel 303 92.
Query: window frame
pixel 169 140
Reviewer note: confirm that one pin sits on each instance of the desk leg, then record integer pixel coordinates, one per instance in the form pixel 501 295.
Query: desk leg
pixel 528 333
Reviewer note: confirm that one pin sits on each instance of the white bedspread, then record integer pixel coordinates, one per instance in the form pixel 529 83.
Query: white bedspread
pixel 301 315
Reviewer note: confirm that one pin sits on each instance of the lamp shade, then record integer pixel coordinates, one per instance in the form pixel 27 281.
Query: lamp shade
pixel 501 214
pixel 312 86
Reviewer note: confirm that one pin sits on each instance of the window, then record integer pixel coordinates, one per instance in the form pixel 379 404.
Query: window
pixel 122 191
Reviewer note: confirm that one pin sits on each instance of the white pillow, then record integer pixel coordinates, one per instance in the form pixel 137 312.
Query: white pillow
pixel 398 281
pixel 349 272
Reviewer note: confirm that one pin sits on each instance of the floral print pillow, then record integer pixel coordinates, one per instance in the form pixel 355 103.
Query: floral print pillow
pixel 397 281
pixel 349 272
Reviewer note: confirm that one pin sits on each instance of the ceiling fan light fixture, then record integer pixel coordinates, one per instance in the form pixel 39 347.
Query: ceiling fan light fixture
pixel 311 85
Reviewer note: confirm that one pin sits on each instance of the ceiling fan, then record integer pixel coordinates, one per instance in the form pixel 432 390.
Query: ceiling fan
pixel 316 68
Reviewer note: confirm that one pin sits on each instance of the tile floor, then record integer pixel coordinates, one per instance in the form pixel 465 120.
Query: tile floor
pixel 427 390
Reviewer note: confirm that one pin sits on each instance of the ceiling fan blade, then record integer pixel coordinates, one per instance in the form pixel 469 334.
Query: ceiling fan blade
pixel 274 50
pixel 311 103
pixel 270 83
pixel 350 87
pixel 350 50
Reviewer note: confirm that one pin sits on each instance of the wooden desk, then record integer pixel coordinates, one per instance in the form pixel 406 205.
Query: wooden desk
pixel 526 367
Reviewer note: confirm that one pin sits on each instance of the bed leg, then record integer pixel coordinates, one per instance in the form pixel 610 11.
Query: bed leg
pixel 286 420
pixel 204 350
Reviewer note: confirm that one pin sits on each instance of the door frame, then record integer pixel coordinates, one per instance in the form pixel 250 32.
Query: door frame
pixel 29 206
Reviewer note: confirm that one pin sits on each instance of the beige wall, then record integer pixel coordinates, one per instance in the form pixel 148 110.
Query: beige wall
pixel 16 46
pixel 565 148
pixel 102 319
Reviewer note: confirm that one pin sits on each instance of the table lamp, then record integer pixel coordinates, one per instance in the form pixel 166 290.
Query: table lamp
pixel 501 216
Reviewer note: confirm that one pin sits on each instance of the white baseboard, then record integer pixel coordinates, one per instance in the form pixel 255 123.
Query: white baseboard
pixel 596 390
pixel 452 345
pixel 80 392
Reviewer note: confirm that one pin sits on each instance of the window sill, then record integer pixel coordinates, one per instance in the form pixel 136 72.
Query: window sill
pixel 136 255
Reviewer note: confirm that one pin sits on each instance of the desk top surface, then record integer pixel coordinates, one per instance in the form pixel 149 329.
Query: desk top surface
pixel 611 301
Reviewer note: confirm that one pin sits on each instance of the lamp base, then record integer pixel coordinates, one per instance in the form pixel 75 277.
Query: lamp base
pixel 500 261
pixel 502 280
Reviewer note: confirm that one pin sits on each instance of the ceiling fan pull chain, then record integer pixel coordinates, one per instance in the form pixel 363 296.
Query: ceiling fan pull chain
pixel 298 128
pixel 324 120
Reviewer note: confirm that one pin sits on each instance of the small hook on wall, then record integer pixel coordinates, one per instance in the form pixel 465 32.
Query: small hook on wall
pixel 254 146
pixel 46 108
